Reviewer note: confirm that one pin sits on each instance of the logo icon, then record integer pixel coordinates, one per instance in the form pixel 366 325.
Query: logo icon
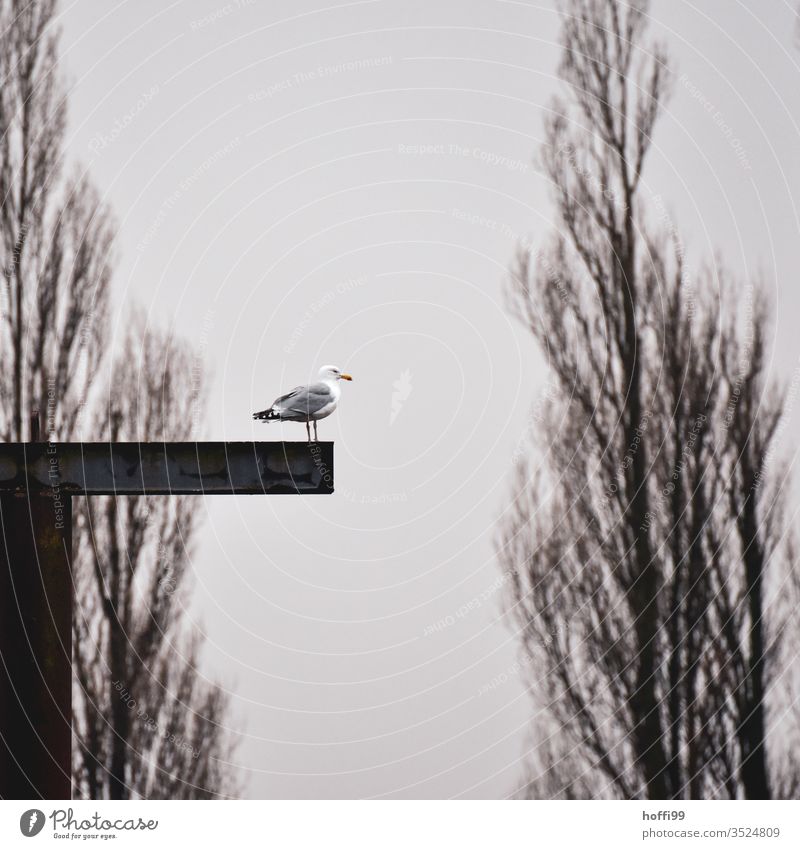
pixel 31 822
pixel 402 389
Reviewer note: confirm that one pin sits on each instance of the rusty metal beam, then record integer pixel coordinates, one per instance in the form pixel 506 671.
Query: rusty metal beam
pixel 35 646
pixel 168 468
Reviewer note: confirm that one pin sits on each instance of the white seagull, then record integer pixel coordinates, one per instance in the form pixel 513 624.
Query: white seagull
pixel 307 403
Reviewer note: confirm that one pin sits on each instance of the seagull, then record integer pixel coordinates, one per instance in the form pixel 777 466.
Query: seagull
pixel 307 403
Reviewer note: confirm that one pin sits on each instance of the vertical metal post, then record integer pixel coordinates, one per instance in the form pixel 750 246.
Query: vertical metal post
pixel 36 644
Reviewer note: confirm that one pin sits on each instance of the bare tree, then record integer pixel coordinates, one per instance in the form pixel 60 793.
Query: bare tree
pixel 147 723
pixel 641 548
pixel 56 239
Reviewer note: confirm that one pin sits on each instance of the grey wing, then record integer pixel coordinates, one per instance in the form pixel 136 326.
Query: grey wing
pixel 304 400
pixel 278 402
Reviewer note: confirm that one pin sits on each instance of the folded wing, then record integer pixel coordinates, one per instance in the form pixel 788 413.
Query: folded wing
pixel 303 401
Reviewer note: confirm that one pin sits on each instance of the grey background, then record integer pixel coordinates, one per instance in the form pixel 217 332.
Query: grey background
pixel 275 216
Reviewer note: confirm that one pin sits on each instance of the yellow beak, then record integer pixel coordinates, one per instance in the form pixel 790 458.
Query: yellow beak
pixel 346 377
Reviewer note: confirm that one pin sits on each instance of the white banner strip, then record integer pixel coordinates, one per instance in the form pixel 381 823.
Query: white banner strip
pixel 403 824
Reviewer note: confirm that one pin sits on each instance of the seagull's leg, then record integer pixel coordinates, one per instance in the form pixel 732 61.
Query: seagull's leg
pixel 316 438
pixel 308 431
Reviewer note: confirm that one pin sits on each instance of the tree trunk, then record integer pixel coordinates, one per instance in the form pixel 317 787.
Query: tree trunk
pixel 752 730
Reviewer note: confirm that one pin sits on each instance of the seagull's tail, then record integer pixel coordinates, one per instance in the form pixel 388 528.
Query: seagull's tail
pixel 267 415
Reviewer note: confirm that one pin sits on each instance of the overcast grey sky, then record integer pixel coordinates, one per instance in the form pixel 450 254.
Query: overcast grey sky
pixel 300 183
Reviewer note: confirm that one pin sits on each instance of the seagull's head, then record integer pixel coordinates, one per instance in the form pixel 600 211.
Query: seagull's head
pixel 332 373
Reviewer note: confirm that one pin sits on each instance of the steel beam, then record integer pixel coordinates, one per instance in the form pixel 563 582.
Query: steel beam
pixel 37 482
pixel 168 468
